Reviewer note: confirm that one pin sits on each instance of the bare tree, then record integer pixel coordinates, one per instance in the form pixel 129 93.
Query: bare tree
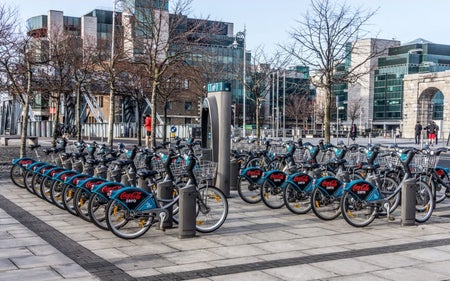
pixel 162 40
pixel 16 61
pixel 324 40
pixel 258 81
pixel 298 107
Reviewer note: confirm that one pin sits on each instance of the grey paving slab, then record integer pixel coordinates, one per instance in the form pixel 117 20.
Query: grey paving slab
pixel 300 273
pixel 410 274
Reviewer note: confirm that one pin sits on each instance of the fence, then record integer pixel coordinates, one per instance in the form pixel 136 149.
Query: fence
pixel 101 130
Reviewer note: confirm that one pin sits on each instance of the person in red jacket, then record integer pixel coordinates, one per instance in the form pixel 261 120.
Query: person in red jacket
pixel 148 128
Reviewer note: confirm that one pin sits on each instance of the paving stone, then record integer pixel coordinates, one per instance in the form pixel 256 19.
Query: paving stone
pixel 35 274
pixel 299 273
pixel 410 273
pixel 347 266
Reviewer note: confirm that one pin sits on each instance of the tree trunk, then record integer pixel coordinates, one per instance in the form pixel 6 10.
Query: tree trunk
pixel 112 105
pixel 55 125
pixel 327 116
pixel 78 112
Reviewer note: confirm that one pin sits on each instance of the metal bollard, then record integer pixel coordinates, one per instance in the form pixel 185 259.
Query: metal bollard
pixel 409 202
pixel 164 191
pixel 186 212
pixel 234 170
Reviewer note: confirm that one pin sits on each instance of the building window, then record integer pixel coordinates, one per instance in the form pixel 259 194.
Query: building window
pixel 169 105
pixel 187 120
pixel 100 100
pixel 187 105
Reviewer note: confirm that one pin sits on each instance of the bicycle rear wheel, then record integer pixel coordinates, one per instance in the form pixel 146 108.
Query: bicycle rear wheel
pixel 67 199
pixel 424 202
pixel 56 194
pixel 97 210
pixel 248 191
pixel 17 174
pixel 297 201
pixel 212 209
pixel 125 224
pixel 81 203
pixel 36 184
pixel 325 207
pixel 356 211
pixel 45 189
pixel 272 195
pixel 28 177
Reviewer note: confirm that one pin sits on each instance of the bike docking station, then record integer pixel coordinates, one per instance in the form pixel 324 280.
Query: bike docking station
pixel 216 132
pixel 408 208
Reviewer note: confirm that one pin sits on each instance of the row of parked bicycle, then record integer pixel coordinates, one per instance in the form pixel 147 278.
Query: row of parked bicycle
pixel 124 190
pixel 360 182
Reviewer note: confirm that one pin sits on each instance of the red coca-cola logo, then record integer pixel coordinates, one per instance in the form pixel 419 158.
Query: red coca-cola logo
pixel 135 195
pixel 440 172
pixel 108 189
pixel 329 183
pixel 77 180
pixel 25 162
pixel 277 177
pixel 254 173
pixel 301 179
pixel 91 184
pixel 361 188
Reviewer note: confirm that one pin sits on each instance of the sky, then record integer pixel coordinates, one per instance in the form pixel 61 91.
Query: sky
pixel 269 22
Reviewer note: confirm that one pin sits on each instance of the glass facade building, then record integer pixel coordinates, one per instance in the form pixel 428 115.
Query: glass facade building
pixel 412 58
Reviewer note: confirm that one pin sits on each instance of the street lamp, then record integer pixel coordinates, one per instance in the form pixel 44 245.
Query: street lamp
pixel 242 36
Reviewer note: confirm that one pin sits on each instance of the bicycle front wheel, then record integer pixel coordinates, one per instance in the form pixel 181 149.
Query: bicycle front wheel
pixel 297 201
pixel 272 195
pixel 45 189
pixel 248 191
pixel 81 203
pixel 17 174
pixel 126 224
pixel 68 194
pixel 97 210
pixel 56 194
pixel 325 207
pixel 356 211
pixel 424 202
pixel 212 209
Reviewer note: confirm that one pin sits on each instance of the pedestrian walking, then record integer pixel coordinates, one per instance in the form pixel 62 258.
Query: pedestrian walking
pixel 436 132
pixel 148 129
pixel 431 133
pixel 418 132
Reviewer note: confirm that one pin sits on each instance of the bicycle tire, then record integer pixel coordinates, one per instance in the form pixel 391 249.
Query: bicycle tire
pixel 81 203
pixel 97 210
pixel 272 195
pixel 248 191
pixel 355 211
pixel 441 189
pixel 387 187
pixel 36 184
pixel 324 206
pixel 17 174
pixel 67 199
pixel 56 194
pixel 45 189
pixel 424 202
pixel 297 201
pixel 211 210
pixel 123 224
pixel 28 177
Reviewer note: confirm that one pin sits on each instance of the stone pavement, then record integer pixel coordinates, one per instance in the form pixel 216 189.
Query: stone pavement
pixel 38 241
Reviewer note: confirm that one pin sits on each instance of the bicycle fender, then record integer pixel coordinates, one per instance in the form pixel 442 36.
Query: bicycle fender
pixel 76 178
pixel 89 183
pixel 105 189
pixel 23 162
pixel 300 180
pixel 53 172
pixel 252 174
pixel 364 190
pixel 441 171
pixel 64 175
pixel 330 185
pixel 134 198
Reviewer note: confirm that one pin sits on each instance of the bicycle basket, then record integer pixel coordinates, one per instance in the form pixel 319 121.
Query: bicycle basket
pixel 205 170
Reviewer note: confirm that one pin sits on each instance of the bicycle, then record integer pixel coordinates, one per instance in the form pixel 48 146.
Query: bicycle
pixel 363 201
pixel 131 211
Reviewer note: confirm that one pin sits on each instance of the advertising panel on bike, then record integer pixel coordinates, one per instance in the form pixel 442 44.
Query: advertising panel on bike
pixel 133 197
pixel 329 184
pixel 364 190
pixel 301 180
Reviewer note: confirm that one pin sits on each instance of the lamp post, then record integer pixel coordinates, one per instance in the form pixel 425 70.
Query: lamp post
pixel 242 36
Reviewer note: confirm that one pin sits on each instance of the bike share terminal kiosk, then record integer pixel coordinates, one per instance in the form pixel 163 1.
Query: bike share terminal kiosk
pixel 216 131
